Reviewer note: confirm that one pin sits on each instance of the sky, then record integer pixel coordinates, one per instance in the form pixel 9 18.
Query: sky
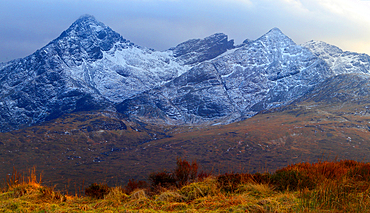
pixel 28 25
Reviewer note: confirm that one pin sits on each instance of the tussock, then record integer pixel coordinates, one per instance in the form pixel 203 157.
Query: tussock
pixel 340 186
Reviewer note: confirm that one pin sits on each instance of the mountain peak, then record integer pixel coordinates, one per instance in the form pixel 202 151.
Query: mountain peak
pixel 87 22
pixel 89 35
pixel 321 47
pixel 87 17
pixel 275 35
pixel 275 30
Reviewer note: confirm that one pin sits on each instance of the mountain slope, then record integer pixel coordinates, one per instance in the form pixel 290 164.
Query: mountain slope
pixel 341 62
pixel 262 74
pixel 200 81
pixel 108 104
pixel 198 50
pixel 88 67
pixel 330 122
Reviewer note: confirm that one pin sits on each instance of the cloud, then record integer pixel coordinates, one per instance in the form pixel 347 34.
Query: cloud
pixel 161 24
pixel 355 10
pixel 244 2
pixel 339 22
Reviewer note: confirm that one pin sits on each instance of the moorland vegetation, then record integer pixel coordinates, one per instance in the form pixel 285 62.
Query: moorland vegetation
pixel 323 186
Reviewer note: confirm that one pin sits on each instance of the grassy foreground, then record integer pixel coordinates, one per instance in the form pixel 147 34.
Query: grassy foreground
pixel 340 186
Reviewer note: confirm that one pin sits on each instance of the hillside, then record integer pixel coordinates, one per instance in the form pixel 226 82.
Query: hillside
pixel 207 81
pixel 330 123
pixel 93 106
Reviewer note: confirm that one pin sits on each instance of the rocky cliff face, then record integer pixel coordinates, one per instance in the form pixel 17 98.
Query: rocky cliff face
pixel 199 50
pixel 200 81
pixel 197 96
pixel 341 62
pixel 88 67
pixel 268 72
pixel 350 89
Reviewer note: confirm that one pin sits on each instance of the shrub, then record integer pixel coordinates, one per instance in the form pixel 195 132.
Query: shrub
pixel 261 178
pixel 96 190
pixel 162 179
pixel 132 185
pixel 50 193
pixel 360 172
pixel 185 172
pixel 203 175
pixel 291 180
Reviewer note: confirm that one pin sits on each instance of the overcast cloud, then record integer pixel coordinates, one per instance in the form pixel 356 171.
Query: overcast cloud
pixel 27 25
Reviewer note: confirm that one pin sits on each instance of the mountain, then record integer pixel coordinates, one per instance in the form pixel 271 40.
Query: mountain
pixel 345 89
pixel 92 105
pixel 209 81
pixel 329 122
pixel 268 72
pixel 88 67
pixel 340 62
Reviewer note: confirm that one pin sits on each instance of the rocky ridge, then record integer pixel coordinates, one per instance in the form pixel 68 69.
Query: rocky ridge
pixel 200 81
pixel 340 62
pixel 268 72
pixel 88 67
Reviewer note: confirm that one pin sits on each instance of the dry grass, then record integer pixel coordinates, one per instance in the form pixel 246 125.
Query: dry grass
pixel 78 146
pixel 341 186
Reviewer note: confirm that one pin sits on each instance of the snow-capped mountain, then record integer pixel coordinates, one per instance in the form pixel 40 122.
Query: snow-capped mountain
pixel 200 81
pixel 341 62
pixel 89 66
pixel 100 58
pixel 269 72
pixel 258 75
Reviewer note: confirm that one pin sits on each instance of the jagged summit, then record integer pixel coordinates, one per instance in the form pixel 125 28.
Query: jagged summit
pixel 198 50
pixel 88 20
pixel 91 67
pixel 85 24
pixel 341 62
pixel 319 47
pixel 88 67
pixel 88 35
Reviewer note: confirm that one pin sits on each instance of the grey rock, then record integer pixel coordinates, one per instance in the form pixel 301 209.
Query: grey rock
pixel 341 62
pixel 198 96
pixel 198 50
pixel 88 67
pixel 201 81
pixel 352 88
pixel 269 72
